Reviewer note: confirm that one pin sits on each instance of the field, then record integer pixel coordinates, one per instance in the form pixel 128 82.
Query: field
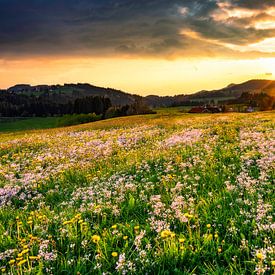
pixel 19 124
pixel 169 193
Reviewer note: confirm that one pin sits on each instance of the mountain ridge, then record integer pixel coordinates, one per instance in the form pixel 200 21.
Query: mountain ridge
pixel 70 91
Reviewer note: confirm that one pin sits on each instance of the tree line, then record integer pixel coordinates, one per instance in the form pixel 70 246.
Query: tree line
pixel 20 105
pixel 12 105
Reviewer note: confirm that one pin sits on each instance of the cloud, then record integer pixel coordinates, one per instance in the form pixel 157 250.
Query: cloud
pixel 154 28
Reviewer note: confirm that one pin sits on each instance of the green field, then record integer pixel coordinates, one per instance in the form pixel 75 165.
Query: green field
pixel 10 125
pixel 167 193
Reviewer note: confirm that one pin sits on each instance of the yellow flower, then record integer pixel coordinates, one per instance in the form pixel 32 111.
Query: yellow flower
pixel 114 254
pixel 125 237
pixel 208 225
pixel 78 216
pixel 136 227
pixel 273 263
pixel 216 235
pixel 114 226
pixel 3 269
pixel 165 233
pixel 11 262
pixel 95 238
pixel 219 250
pixel 181 240
pixel 32 258
pixel 25 251
pixel 260 256
pixel 67 222
pixel 22 262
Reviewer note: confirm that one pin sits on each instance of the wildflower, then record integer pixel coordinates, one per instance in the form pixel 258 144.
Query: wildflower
pixel 136 227
pixel 95 238
pixel 22 262
pixel 114 226
pixel 208 225
pixel 273 263
pixel 219 250
pixel 181 240
pixel 32 258
pixel 260 256
pixel 125 237
pixel 165 233
pixel 11 262
pixel 25 251
pixel 114 254
pixel 78 216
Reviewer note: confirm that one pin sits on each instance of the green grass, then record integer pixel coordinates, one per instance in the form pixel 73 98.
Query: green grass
pixel 28 124
pixel 173 193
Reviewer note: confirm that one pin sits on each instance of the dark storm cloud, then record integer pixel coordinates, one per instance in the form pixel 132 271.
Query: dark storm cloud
pixel 144 27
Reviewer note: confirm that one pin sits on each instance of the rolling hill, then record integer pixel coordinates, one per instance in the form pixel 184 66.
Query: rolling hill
pixel 69 92
pixel 230 92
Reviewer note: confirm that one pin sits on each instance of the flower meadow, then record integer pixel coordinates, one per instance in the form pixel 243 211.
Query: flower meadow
pixel 154 194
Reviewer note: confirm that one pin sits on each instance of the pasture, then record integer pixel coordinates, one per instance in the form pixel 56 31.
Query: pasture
pixel 168 193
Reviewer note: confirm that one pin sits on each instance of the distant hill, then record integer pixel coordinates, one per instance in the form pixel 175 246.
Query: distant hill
pixel 69 92
pixel 231 92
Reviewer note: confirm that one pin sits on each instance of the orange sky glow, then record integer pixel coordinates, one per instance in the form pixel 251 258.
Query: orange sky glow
pixel 183 49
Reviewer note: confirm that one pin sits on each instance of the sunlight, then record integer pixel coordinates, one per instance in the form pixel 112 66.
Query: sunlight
pixel 269 65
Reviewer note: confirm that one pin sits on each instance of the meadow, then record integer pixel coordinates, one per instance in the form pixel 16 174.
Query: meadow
pixel 167 193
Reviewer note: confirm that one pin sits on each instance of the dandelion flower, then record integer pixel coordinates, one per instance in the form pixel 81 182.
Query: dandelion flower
pixel 95 238
pixel 165 233
pixel 260 256
pixel 11 262
pixel 114 254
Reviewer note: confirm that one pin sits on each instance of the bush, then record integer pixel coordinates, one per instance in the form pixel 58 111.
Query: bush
pixel 68 120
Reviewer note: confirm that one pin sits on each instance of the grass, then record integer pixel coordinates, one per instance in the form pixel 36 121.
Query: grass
pixel 27 124
pixel 169 193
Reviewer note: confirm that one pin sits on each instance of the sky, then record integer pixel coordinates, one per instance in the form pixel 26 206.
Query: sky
pixel 162 47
